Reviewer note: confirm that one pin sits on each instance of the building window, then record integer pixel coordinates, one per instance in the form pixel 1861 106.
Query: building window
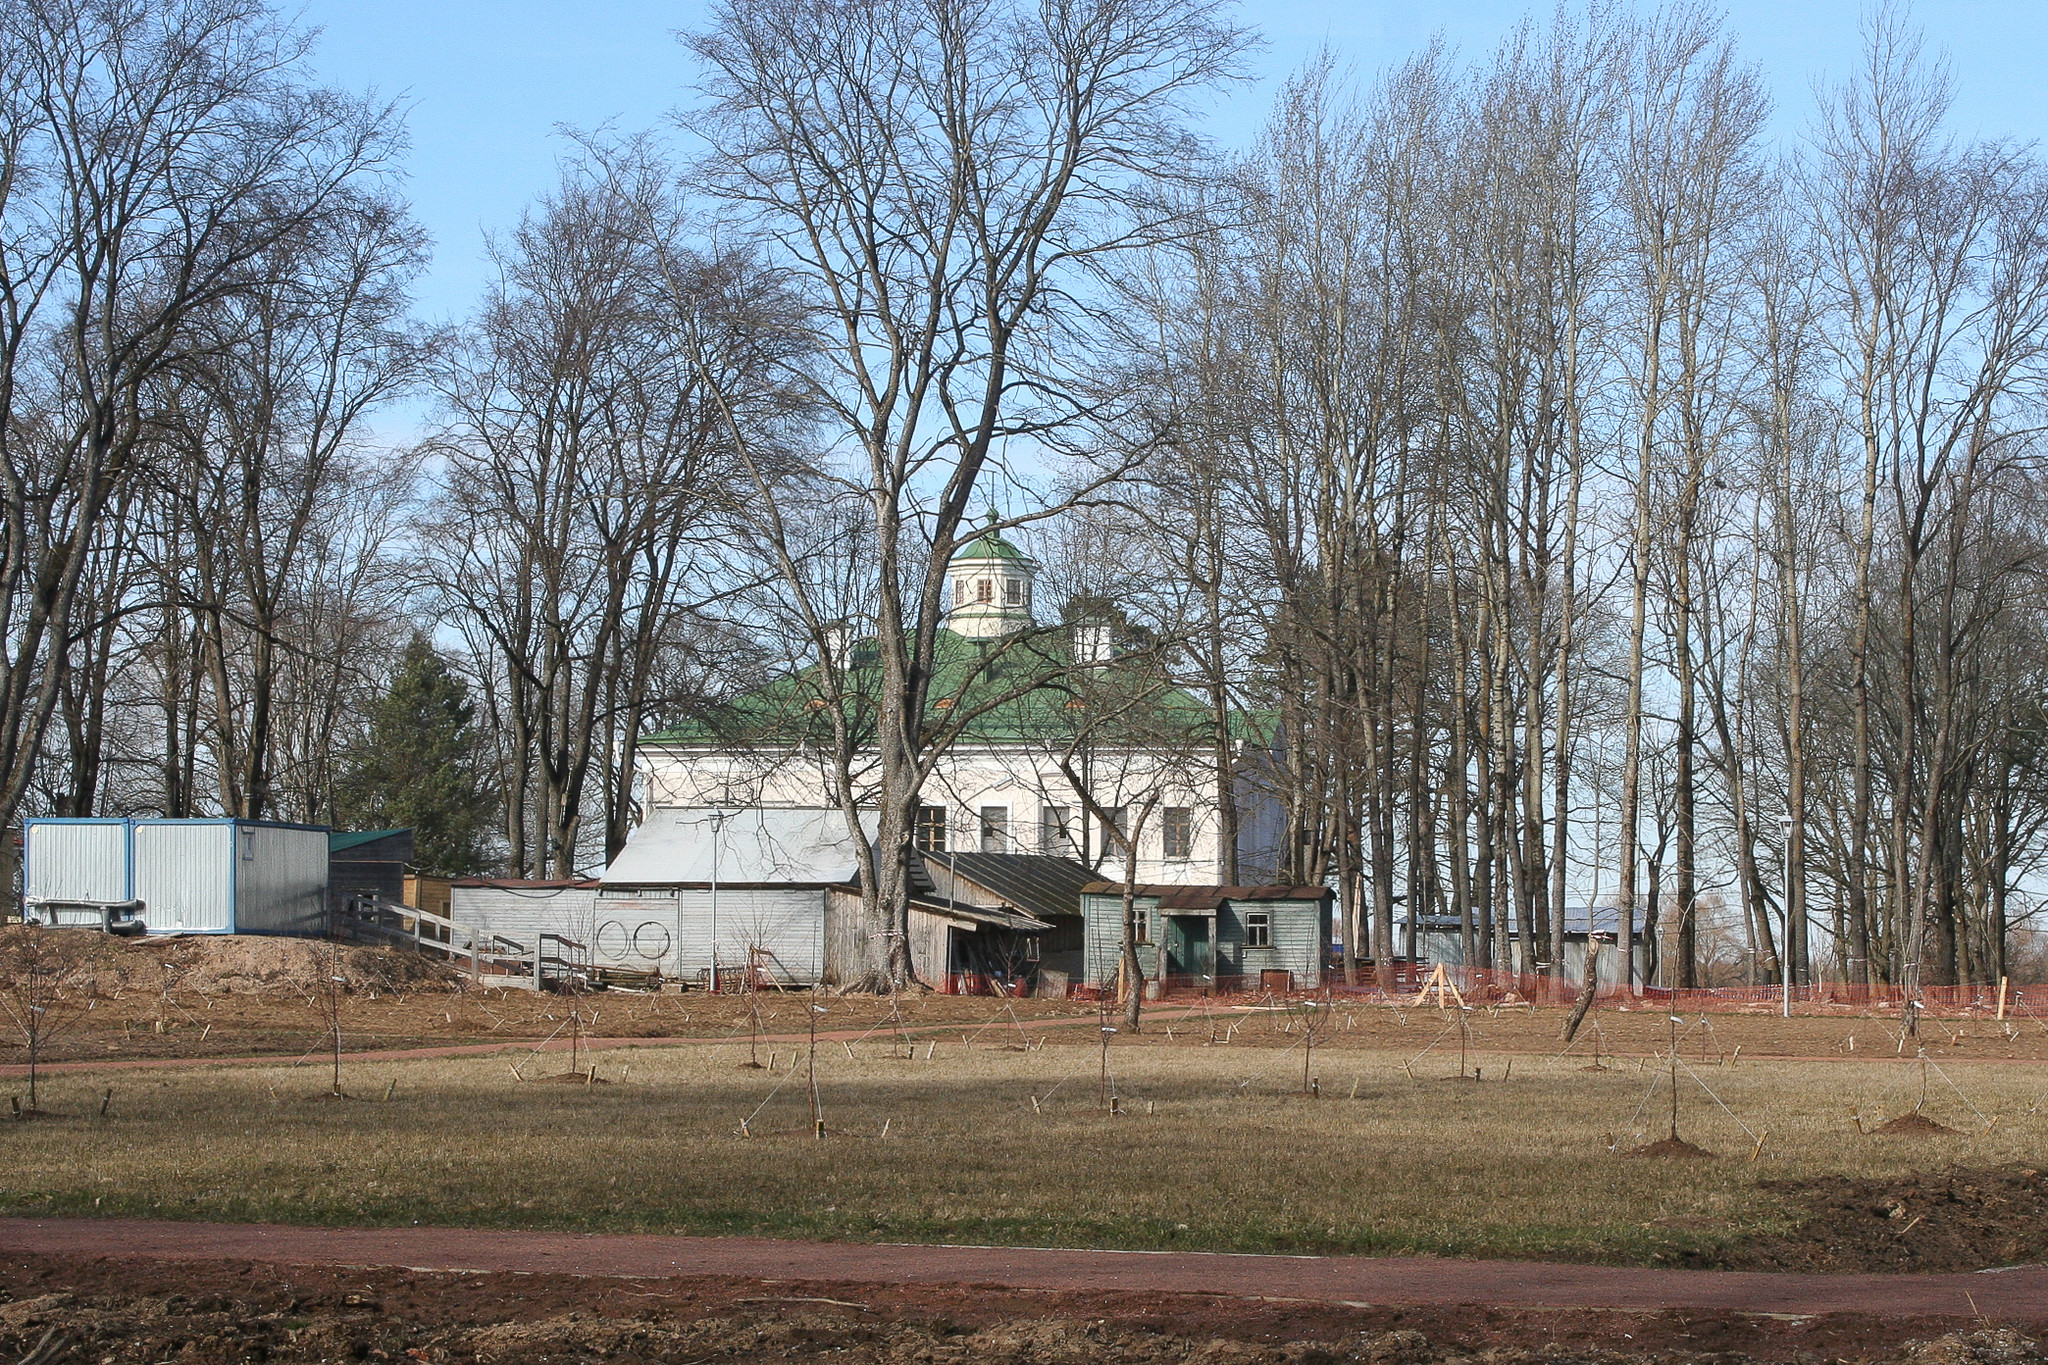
pixel 1055 834
pixel 995 829
pixel 1258 929
pixel 1141 926
pixel 1013 592
pixel 960 591
pixel 984 590
pixel 931 828
pixel 1114 828
pixel 1180 832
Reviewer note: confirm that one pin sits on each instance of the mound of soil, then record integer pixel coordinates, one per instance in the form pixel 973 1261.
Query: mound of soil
pixel 1956 1220
pixel 1671 1147
pixel 1914 1125
pixel 231 964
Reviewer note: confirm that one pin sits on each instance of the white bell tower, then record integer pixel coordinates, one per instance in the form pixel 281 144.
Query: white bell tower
pixel 992 582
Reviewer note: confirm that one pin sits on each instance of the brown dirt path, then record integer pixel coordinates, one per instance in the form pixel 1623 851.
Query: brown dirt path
pixel 2019 1294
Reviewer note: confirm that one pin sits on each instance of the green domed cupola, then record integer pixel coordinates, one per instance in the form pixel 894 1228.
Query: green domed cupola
pixel 992 582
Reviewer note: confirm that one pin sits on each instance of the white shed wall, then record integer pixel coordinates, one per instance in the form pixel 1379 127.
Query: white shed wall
pixel 787 921
pixel 523 912
pixel 84 860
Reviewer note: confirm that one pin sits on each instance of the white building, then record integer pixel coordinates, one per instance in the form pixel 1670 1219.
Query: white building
pixel 1001 787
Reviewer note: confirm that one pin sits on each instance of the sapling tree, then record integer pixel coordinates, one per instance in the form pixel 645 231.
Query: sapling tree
pixel 45 989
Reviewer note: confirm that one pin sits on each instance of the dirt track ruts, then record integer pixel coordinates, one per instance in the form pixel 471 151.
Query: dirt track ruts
pixel 2017 1295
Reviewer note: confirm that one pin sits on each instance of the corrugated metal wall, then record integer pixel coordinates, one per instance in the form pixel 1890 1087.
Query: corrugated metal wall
pixel 637 931
pixel 185 876
pixel 787 921
pixel 280 880
pixel 1448 947
pixel 192 876
pixel 84 860
pixel 523 912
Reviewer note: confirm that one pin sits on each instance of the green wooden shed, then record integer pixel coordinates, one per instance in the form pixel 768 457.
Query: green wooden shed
pixel 1221 937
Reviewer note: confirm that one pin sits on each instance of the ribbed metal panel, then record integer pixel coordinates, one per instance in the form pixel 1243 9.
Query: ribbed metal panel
pixel 85 860
pixel 280 880
pixel 521 913
pixel 788 922
pixel 185 875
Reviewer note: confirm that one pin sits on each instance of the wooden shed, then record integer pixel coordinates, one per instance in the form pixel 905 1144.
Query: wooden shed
pixel 742 889
pixel 1212 937
pixel 956 948
pixel 370 862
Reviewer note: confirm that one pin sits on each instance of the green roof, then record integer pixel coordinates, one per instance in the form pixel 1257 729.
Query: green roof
pixel 1019 688
pixel 337 839
pixel 988 545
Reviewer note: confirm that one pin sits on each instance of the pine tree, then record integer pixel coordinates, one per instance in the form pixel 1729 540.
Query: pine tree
pixel 422 766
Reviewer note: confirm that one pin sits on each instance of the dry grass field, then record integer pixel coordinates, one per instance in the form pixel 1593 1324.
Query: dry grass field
pixel 1001 1139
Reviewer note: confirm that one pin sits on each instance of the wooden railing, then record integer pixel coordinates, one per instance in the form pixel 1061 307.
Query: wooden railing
pixel 549 961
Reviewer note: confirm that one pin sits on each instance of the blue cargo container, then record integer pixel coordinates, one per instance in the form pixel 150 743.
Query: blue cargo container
pixel 220 876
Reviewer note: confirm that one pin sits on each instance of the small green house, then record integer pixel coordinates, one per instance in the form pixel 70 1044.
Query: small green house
pixel 1211 937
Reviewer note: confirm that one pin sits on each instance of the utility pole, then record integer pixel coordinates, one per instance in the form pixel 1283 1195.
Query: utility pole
pixel 1785 939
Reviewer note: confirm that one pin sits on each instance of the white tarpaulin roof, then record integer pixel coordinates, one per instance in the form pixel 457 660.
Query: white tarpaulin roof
pixel 677 845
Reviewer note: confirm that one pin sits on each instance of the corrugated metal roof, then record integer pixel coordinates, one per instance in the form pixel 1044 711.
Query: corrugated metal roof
pixel 1209 897
pixel 992 916
pixel 757 846
pixel 1039 885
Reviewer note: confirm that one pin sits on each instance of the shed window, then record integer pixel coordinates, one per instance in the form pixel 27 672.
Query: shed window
pixel 1180 832
pixel 931 828
pixel 1258 929
pixel 1141 926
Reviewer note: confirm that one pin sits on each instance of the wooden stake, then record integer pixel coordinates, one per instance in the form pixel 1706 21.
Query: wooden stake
pixel 2002 983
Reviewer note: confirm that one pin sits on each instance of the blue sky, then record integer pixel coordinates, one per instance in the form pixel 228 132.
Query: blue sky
pixel 487 84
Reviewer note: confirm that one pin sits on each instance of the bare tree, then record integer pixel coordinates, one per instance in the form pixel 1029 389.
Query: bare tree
pixel 155 155
pixel 946 182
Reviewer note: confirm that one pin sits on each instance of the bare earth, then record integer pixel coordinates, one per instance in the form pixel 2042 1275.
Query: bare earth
pixel 207 1293
pixel 73 1290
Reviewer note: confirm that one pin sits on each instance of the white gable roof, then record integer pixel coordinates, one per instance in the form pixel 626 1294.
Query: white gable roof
pixel 676 844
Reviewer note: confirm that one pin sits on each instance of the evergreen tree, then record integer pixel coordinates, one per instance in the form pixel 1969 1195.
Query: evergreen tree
pixel 422 766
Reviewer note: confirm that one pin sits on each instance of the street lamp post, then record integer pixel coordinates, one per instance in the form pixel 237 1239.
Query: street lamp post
pixel 718 819
pixel 1785 942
